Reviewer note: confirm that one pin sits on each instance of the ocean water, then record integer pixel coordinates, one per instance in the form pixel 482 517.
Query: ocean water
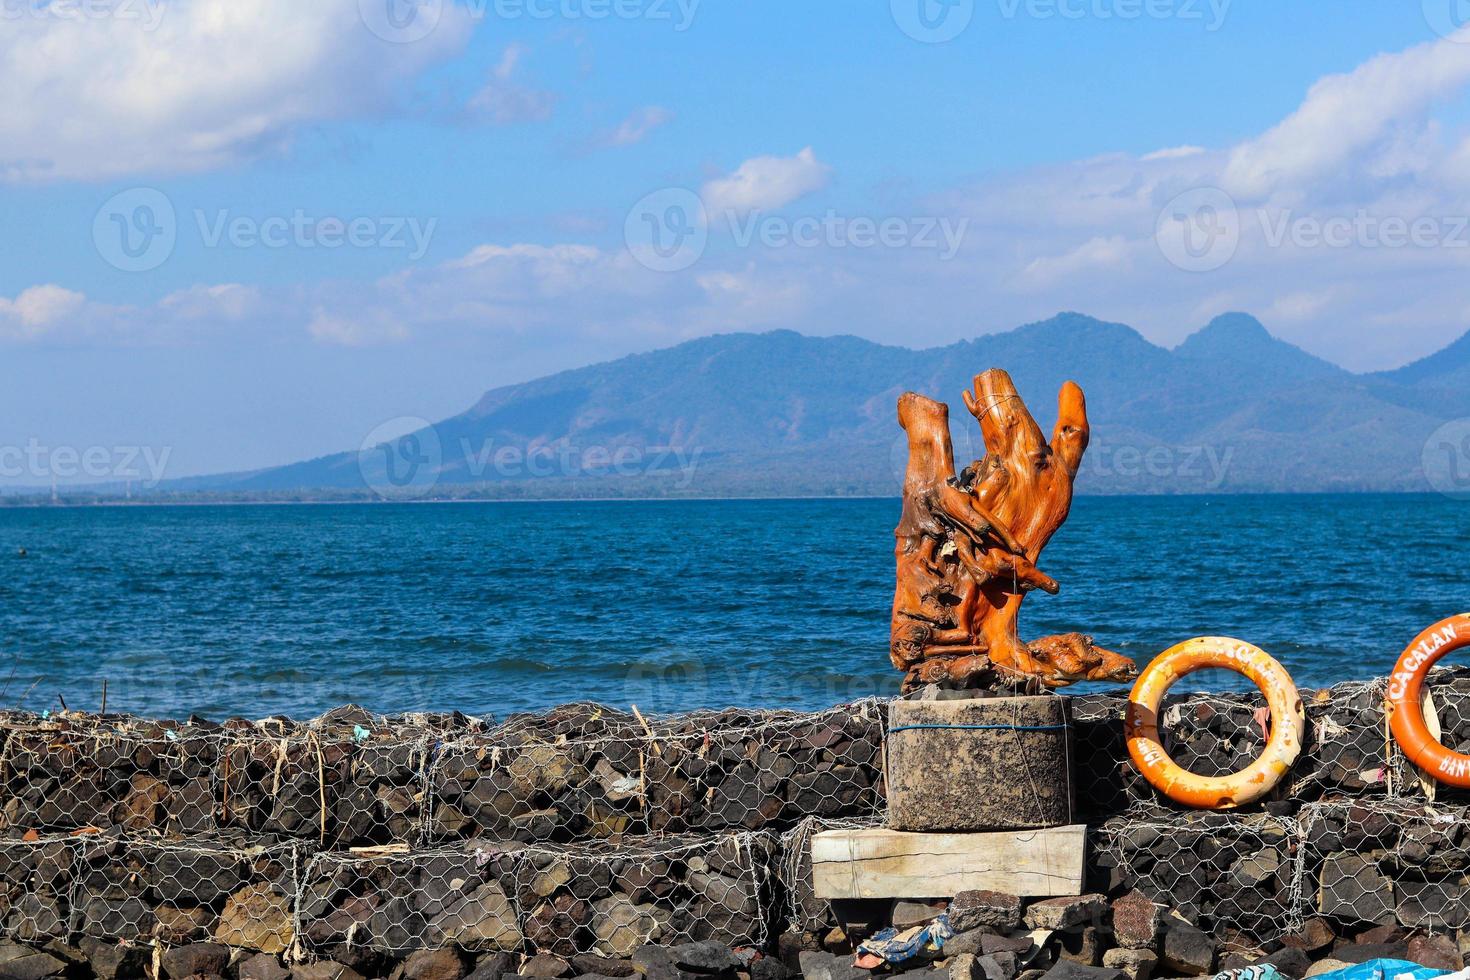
pixel 494 608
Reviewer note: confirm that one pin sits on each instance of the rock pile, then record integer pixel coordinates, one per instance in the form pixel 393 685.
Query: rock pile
pixel 592 773
pixel 349 779
pixel 114 888
pixel 562 901
pixel 1344 752
pixel 1349 864
pixel 593 842
pixel 1399 865
pixel 1094 937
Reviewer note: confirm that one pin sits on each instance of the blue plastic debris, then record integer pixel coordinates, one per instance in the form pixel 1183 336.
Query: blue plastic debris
pixel 1383 970
pixel 1263 971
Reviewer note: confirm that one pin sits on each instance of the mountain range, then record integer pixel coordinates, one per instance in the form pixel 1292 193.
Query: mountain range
pixel 1231 409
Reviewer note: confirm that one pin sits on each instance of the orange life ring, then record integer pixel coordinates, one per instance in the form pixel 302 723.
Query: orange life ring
pixel 1288 723
pixel 1405 706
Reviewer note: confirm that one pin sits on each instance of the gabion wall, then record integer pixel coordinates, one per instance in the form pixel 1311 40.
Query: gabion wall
pixel 585 830
pixel 1353 834
pixel 589 830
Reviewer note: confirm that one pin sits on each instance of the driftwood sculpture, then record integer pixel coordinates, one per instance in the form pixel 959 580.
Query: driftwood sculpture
pixel 968 544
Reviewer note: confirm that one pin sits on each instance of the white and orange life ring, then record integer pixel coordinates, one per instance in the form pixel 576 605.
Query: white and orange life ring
pixel 1404 703
pixel 1288 723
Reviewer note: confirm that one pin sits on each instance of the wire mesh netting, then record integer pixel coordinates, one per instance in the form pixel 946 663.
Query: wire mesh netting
pixel 119 888
pixel 1393 862
pixel 605 774
pixel 590 830
pixel 584 830
pixel 562 900
pixel 1235 874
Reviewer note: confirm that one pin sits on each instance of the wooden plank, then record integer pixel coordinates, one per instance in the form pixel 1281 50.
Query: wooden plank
pixel 882 863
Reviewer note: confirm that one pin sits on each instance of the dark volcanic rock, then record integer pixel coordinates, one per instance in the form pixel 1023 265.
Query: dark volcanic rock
pixel 1136 921
pixel 1084 945
pixel 825 966
pixel 1363 952
pixel 1354 889
pixel 1291 962
pixel 545 966
pixel 32 965
pixel 996 911
pixel 602 966
pixel 263 966
pixel 1315 934
pixel 1187 951
pixel 432 964
pixel 324 970
pixel 1067 913
pixel 113 962
pixel 1067 970
pixel 1439 951
pixel 209 959
pixel 908 913
pixel 1135 964
pixel 997 966
pixel 705 958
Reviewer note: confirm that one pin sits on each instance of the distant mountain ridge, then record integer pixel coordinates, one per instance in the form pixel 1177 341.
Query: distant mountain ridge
pixel 1231 409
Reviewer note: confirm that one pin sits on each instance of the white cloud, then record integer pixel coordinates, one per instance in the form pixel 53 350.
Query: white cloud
pixel 1297 306
pixel 227 301
pixel 634 129
pixel 1098 253
pixel 54 313
pixel 1076 235
pixel 503 100
pixel 37 309
pixel 767 182
pixel 192 85
pixel 1353 121
pixel 360 330
pixel 1174 153
pixel 545 255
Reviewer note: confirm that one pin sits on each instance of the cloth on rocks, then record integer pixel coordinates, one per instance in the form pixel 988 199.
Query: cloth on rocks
pixel 893 946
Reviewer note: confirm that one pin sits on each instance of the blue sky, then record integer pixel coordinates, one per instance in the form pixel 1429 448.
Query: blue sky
pixel 496 165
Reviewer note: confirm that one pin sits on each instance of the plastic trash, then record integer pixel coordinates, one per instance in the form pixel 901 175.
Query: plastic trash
pixel 1383 970
pixel 1264 971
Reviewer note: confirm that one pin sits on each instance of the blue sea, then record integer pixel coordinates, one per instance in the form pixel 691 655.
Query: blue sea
pixel 491 608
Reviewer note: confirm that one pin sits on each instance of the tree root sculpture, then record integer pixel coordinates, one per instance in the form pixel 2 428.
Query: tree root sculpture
pixel 968 543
